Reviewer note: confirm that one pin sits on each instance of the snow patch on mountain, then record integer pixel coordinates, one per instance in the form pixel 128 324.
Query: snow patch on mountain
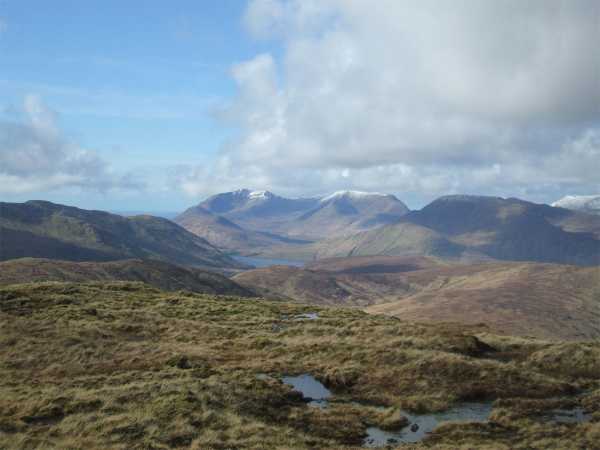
pixel 259 195
pixel 353 194
pixel 589 203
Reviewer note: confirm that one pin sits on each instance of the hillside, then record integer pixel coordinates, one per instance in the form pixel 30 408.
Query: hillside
pixel 227 235
pixel 162 275
pixel 401 239
pixel 123 365
pixel 347 212
pixel 510 229
pixel 545 300
pixel 42 229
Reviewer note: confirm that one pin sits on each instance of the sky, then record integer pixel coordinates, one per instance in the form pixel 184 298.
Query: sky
pixel 154 105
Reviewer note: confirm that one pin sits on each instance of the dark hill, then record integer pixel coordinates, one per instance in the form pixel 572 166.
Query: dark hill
pixel 162 275
pixel 509 229
pixel 47 230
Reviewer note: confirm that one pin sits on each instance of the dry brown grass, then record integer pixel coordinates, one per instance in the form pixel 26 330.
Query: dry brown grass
pixel 548 301
pixel 127 366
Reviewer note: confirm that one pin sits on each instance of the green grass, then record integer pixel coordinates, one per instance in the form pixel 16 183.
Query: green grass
pixel 124 366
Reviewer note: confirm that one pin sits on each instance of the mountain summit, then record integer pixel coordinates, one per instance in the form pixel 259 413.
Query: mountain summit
pixel 584 203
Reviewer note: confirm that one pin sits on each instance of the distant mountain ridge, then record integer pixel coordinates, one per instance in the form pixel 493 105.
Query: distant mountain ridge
pixel 509 229
pixel 283 220
pixel 47 230
pixel 473 228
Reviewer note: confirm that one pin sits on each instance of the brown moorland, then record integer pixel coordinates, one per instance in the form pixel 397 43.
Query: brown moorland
pixel 127 366
pixel 162 275
pixel 549 301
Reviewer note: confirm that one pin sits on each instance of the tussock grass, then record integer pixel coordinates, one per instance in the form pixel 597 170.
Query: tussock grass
pixel 125 366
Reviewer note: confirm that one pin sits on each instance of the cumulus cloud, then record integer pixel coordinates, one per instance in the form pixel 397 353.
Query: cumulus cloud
pixel 36 156
pixel 423 98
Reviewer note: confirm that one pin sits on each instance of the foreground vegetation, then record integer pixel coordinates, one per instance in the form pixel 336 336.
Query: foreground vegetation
pixel 124 365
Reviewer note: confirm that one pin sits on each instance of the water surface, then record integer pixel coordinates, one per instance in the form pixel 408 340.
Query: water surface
pixel 311 389
pixel 307 316
pixel 422 424
pixel 574 415
pixel 266 262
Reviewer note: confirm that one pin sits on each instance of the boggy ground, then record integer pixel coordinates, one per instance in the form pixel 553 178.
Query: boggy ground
pixel 126 366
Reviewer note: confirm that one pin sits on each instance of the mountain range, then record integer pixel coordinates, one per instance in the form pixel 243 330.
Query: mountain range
pixel 345 223
pixel 249 222
pixel 458 227
pixel 42 229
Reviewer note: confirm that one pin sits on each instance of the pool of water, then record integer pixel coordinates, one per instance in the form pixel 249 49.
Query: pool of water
pixel 266 262
pixel 574 415
pixel 311 389
pixel 422 424
pixel 307 316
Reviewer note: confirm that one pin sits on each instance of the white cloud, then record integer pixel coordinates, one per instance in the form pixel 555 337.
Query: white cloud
pixel 35 156
pixel 425 97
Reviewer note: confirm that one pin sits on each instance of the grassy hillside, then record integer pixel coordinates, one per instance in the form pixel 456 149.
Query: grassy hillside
pixel 159 274
pixel 47 230
pixel 126 366
pixel 399 239
pixel 544 300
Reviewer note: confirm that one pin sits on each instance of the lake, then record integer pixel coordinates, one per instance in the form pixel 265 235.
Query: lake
pixel 266 262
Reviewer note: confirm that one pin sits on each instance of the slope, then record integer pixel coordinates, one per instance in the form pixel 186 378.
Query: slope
pixel 347 212
pixel 47 230
pixel 227 235
pixel 544 300
pixel 511 229
pixel 162 275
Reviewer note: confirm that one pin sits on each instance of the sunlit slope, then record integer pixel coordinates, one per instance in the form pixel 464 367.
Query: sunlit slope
pixel 544 300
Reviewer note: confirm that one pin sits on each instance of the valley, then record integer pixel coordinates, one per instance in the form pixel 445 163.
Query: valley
pixel 456 228
pixel 528 299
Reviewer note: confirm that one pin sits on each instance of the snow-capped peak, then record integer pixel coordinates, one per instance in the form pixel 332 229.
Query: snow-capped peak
pixel 579 202
pixel 353 194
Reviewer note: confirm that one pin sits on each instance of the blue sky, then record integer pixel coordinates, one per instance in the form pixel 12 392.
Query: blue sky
pixel 135 81
pixel 154 105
